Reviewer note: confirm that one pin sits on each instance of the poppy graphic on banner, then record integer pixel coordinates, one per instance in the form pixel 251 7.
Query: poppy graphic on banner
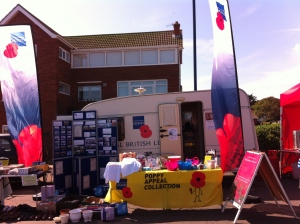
pixel 224 89
pixel 20 94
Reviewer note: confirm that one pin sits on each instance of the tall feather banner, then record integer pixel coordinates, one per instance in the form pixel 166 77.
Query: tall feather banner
pixel 20 94
pixel 224 89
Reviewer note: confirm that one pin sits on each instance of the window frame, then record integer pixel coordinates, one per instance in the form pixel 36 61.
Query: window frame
pixel 68 92
pixel 64 55
pixel 123 62
pixel 90 97
pixel 133 84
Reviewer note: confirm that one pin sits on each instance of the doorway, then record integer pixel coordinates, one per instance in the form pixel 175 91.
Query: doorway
pixel 192 130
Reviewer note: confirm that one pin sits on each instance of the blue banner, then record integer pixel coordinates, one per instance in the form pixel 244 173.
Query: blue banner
pixel 20 94
pixel 224 89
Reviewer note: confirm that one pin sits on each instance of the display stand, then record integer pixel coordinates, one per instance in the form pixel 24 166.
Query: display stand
pixel 107 129
pixel 252 162
pixel 62 156
pixel 84 151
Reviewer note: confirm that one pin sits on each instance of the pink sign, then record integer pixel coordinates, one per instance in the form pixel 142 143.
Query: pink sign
pixel 244 177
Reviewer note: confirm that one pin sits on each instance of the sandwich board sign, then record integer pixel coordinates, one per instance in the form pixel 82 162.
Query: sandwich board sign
pixel 254 161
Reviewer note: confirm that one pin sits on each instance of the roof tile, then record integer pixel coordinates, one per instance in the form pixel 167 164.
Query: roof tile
pixel 124 40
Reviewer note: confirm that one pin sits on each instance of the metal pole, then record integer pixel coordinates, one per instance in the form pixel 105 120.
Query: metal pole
pixel 195 47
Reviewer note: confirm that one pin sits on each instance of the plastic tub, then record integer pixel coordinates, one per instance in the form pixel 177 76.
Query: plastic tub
pixel 4 160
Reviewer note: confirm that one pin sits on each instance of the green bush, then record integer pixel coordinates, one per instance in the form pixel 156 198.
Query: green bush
pixel 268 136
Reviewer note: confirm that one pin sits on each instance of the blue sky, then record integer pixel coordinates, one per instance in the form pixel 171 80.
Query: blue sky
pixel 266 34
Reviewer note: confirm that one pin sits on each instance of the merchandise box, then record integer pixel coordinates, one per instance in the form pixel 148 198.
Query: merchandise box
pixel 47 191
pixel 120 208
pixel 91 200
pixel 46 206
pixel 69 202
pixel 44 167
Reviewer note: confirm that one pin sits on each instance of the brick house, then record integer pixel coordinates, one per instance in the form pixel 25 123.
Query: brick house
pixel 76 70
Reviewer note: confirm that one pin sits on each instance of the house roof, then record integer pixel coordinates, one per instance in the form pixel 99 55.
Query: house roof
pixel 124 40
pixel 18 8
pixel 160 38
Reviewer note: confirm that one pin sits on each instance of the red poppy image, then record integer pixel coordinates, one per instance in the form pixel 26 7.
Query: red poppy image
pixel 198 179
pixel 145 131
pixel 231 140
pixel 220 21
pixel 126 191
pixel 29 140
pixel 11 50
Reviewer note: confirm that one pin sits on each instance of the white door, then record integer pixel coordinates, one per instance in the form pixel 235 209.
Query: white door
pixel 170 130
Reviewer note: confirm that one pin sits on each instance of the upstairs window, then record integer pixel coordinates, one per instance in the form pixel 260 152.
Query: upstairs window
pixel 89 93
pixel 124 58
pixel 64 55
pixel 80 60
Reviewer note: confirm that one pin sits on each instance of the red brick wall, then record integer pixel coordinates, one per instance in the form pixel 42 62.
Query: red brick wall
pixel 110 76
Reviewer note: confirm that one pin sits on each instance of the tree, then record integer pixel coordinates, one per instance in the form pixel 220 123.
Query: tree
pixel 252 99
pixel 267 109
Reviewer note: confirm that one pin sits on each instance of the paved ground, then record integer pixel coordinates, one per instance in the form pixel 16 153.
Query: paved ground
pixel 265 212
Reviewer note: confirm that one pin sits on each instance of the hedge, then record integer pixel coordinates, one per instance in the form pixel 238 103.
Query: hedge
pixel 268 136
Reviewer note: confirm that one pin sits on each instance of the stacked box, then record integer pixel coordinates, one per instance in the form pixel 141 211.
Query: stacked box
pixel 107 213
pixel 120 208
pixel 47 191
pixel 70 202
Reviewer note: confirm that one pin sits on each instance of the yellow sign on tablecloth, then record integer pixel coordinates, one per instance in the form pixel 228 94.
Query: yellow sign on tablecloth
pixel 169 189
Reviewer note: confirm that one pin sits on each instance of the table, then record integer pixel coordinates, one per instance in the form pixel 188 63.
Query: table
pixel 169 189
pixel 289 153
pixel 5 188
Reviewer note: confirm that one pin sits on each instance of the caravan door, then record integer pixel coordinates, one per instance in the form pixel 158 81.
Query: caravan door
pixel 170 130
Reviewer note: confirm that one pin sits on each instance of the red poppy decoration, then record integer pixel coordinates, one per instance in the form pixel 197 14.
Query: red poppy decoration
pixel 29 145
pixel 220 21
pixel 198 179
pixel 145 131
pixel 126 191
pixel 231 142
pixel 11 50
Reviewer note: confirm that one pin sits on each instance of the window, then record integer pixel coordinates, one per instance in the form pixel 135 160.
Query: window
pixel 167 56
pixel 63 54
pixel 152 86
pixel 149 57
pixel 97 59
pixel 132 58
pixel 80 60
pixel 89 93
pixel 124 58
pixel 113 58
pixel 4 129
pixel 64 88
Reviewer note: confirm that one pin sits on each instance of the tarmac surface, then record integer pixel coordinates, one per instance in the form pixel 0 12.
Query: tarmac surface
pixel 264 210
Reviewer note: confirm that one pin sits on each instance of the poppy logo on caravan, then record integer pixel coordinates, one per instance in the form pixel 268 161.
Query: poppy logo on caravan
pixel 18 38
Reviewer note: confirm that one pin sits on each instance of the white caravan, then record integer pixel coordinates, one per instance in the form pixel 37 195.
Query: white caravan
pixel 177 123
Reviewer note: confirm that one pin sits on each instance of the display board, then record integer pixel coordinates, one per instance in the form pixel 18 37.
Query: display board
pixel 254 161
pixel 107 129
pixel 62 139
pixel 107 136
pixel 85 175
pixel 63 175
pixel 84 133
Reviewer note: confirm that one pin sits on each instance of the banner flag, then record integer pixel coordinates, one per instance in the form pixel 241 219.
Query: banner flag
pixel 224 89
pixel 20 94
